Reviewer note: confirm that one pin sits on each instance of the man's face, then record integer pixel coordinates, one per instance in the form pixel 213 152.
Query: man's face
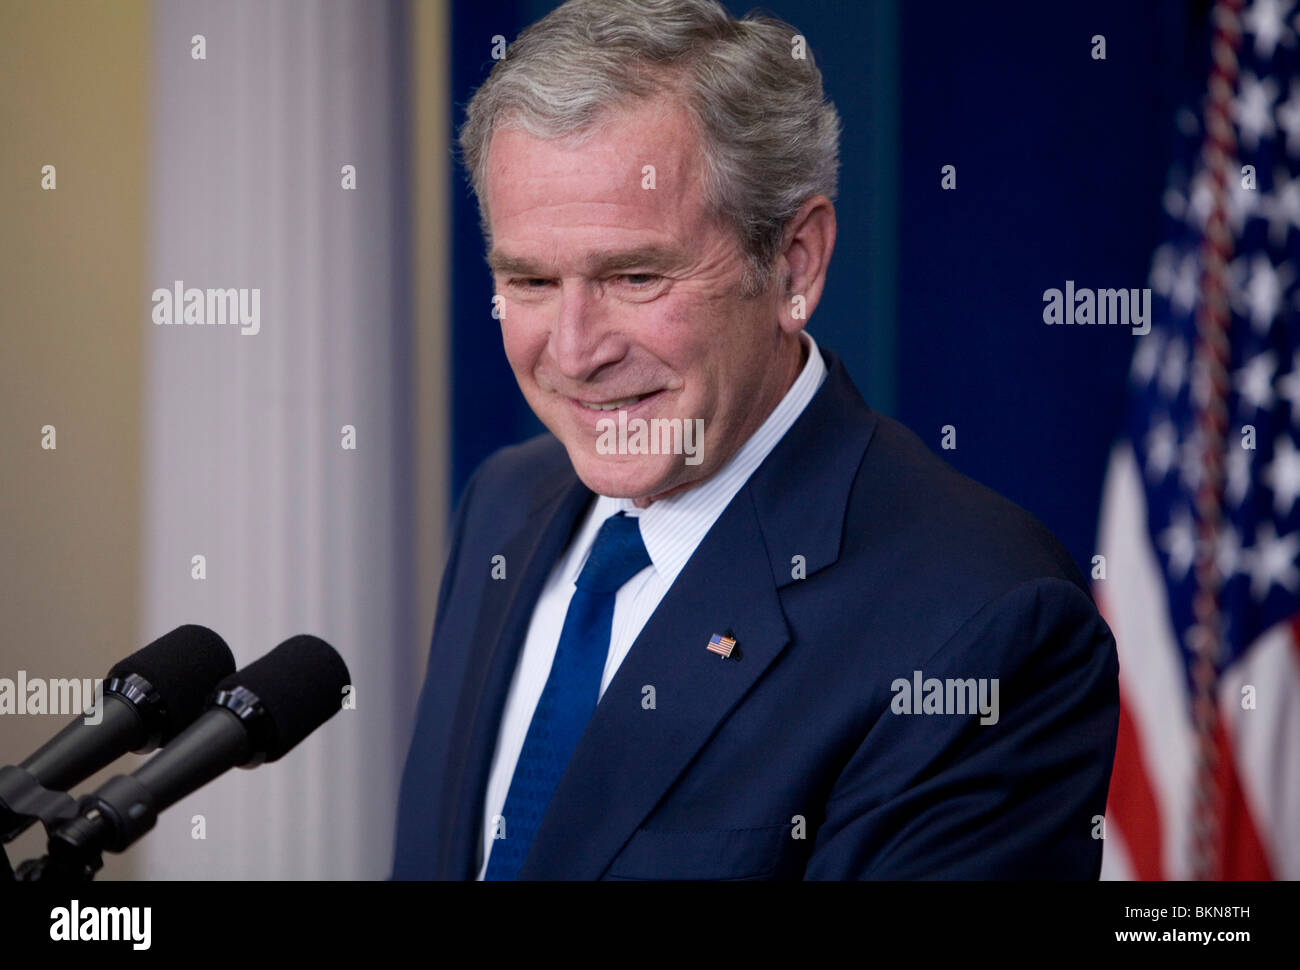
pixel 624 297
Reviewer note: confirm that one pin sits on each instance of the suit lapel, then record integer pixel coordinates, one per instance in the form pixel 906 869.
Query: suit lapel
pixel 499 636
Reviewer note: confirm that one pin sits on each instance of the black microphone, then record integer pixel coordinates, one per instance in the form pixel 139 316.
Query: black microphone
pixel 255 715
pixel 148 699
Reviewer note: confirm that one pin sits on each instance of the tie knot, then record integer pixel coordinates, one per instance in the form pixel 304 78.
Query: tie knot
pixel 616 556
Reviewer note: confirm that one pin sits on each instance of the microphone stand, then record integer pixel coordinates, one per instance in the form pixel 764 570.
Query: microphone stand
pixel 50 869
pixel 23 800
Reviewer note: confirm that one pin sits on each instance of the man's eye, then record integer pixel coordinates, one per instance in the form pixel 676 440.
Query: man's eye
pixel 530 282
pixel 638 279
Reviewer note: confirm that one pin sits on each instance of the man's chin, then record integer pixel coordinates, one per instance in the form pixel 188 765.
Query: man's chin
pixel 628 478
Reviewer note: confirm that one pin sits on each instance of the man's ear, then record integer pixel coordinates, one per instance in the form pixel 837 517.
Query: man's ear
pixel 803 261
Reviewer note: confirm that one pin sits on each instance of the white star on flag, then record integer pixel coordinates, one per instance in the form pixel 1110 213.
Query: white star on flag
pixel 1147 358
pixel 1178 540
pixel 1266 20
pixel 1238 474
pixel 1288 119
pixel 1161 445
pixel 1282 475
pixel 1173 371
pixel 1259 290
pixel 1288 386
pixel 1271 561
pixel 1186 284
pixel 1253 109
pixel 1282 208
pixel 1254 382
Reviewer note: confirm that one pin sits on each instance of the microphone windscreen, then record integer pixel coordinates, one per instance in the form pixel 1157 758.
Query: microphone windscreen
pixel 300 684
pixel 182 666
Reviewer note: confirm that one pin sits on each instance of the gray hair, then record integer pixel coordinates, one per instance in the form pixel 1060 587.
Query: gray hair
pixel 769 138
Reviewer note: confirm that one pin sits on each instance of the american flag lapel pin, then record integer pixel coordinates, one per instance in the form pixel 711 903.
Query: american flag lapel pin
pixel 723 644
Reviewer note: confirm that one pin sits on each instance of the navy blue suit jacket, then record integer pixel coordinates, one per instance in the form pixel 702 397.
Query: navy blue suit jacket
pixel 787 762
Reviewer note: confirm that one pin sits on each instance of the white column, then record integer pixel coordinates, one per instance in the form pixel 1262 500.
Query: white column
pixel 243 457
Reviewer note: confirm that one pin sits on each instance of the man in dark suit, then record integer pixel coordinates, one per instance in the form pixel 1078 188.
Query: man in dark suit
pixel 724 621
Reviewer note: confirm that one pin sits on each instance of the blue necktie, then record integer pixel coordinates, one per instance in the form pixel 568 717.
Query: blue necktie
pixel 571 691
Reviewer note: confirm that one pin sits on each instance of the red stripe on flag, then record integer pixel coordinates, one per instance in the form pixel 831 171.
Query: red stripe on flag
pixel 1131 804
pixel 1243 855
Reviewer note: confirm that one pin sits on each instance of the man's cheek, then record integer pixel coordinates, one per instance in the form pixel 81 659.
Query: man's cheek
pixel 521 340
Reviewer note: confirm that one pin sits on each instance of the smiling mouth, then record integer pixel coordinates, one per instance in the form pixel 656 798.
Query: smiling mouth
pixel 625 402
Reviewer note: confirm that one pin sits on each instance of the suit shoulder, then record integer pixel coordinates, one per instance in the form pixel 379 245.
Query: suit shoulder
pixel 513 480
pixel 530 467
pixel 942 527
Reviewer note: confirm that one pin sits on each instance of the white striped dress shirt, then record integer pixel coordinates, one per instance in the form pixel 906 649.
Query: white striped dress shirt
pixel 671 528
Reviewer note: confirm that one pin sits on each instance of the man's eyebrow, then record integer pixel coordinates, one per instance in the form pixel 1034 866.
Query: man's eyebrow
pixel 500 262
pixel 645 257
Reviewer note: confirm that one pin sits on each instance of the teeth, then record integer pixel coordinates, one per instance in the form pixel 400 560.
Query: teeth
pixel 612 405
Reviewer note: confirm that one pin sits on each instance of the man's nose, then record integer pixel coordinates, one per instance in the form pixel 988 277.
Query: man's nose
pixel 581 341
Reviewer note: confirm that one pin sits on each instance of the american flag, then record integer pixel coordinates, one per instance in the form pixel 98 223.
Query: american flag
pixel 722 644
pixel 1200 519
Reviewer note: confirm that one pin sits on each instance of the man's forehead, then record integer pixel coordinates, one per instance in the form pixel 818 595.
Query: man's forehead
pixel 664 127
pixel 643 155
pixel 626 195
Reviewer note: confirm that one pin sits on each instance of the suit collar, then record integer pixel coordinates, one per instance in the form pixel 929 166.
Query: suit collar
pixel 801 492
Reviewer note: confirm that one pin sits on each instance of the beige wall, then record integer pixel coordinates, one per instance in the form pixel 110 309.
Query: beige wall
pixel 73 94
